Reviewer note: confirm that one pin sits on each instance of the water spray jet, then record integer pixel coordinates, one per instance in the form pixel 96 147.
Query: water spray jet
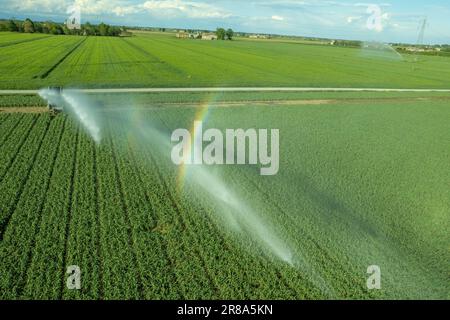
pixel 76 105
pixel 236 215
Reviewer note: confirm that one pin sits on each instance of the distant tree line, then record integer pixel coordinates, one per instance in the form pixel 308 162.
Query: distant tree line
pixel 348 43
pixel 433 52
pixel 49 27
pixel 223 34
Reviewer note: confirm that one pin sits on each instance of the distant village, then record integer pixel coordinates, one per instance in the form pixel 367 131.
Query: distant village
pixel 197 35
pixel 220 34
pixel 443 50
pixel 207 35
pixel 401 47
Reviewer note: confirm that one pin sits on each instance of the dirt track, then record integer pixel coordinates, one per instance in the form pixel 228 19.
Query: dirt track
pixel 229 104
pixel 23 110
pixel 231 89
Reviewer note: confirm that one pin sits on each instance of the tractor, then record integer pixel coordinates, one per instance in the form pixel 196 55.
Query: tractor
pixel 55 109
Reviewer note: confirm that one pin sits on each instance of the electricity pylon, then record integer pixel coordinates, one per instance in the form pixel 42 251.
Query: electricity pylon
pixel 420 39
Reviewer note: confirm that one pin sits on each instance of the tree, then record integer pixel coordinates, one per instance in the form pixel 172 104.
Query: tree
pixel 12 26
pixel 50 27
pixel 56 29
pixel 88 29
pixel 28 26
pixel 221 33
pixel 19 26
pixel 38 27
pixel 66 30
pixel 46 28
pixel 103 29
pixel 115 31
pixel 230 34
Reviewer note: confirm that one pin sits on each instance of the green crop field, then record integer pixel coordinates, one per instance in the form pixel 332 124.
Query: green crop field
pixel 363 181
pixel 363 176
pixel 155 60
pixel 10 39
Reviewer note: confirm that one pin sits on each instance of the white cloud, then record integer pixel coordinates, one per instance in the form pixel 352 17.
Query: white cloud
pixel 277 18
pixel 60 6
pixel 165 8
pixel 182 8
pixel 36 6
pixel 97 6
pixel 296 4
pixel 351 19
pixel 123 11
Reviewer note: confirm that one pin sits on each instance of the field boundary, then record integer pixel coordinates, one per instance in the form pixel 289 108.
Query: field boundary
pixel 9 110
pixel 56 65
pixel 228 89
pixel 13 43
pixel 233 103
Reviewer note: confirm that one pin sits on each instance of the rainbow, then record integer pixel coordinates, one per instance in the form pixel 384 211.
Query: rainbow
pixel 201 114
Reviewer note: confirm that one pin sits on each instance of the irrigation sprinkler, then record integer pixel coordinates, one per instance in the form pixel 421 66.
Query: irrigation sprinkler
pixel 52 107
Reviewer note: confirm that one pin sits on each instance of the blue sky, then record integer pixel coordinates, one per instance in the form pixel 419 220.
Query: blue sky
pixel 398 21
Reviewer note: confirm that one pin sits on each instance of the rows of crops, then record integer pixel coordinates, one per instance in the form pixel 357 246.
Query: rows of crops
pixel 360 184
pixel 10 39
pixel 211 98
pixel 25 64
pixel 80 204
pixel 34 61
pixel 21 101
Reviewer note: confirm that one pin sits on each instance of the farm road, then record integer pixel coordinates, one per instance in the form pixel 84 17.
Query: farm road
pixel 228 89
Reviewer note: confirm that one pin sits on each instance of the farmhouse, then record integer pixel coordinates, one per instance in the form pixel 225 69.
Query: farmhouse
pixel 195 35
pixel 209 36
pixel 188 35
pixel 182 35
pixel 125 33
pixel 259 36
